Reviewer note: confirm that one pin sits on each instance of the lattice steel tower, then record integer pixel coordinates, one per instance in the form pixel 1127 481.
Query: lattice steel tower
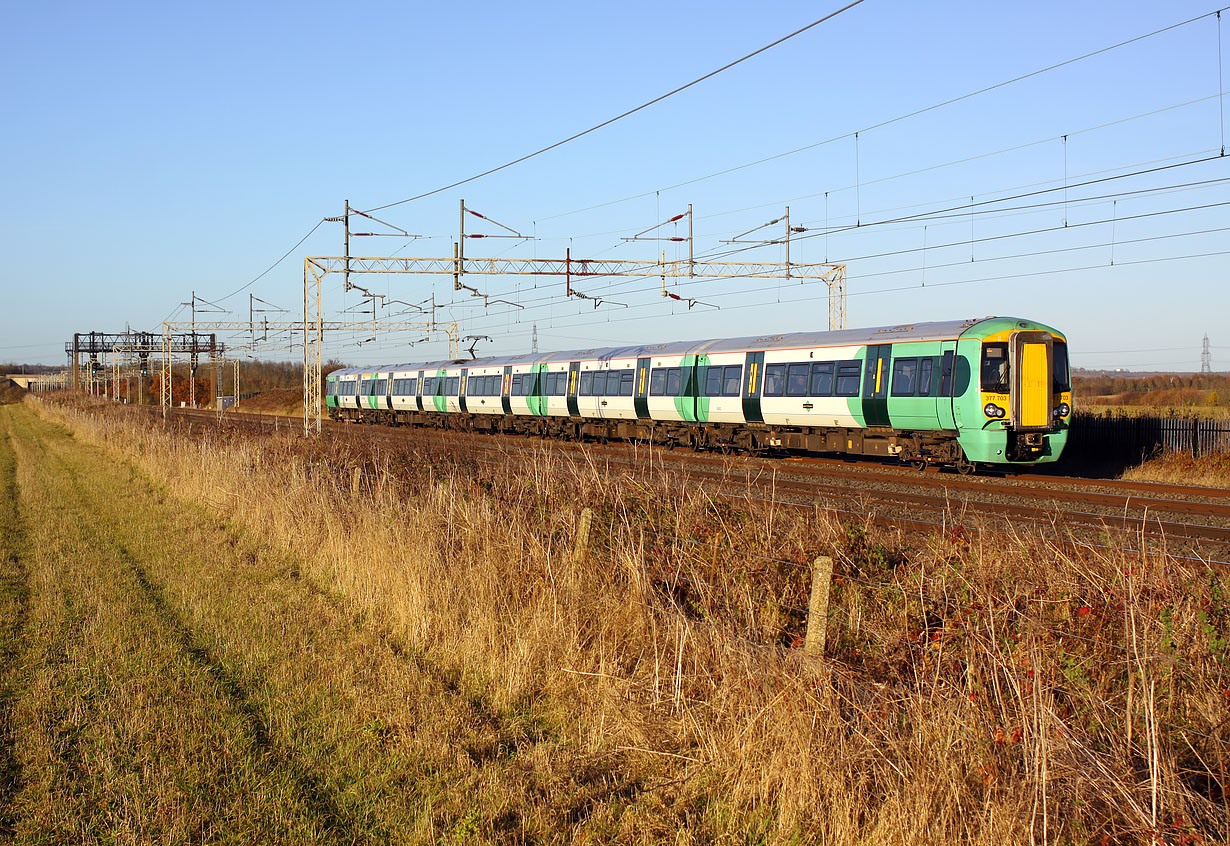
pixel 1206 357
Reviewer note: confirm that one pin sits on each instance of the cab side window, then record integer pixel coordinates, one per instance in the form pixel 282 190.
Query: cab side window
pixel 995 368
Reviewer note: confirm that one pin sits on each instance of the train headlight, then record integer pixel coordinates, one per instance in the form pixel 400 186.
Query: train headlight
pixel 1063 410
pixel 993 410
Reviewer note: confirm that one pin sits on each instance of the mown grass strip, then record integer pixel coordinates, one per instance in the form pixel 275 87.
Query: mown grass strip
pixel 126 733
pixel 14 600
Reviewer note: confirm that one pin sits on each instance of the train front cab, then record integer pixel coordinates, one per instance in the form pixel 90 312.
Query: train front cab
pixel 1018 410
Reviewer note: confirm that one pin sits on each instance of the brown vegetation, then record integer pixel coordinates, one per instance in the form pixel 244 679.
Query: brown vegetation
pixel 1181 469
pixel 977 688
pixel 1159 392
pixel 10 392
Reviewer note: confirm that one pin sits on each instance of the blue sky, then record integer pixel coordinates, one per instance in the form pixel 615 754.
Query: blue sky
pixel 153 150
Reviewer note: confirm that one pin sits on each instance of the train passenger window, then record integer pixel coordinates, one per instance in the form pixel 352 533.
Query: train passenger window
pixel 561 384
pixel 657 381
pixel 924 377
pixel 995 376
pixel 382 387
pixel 516 386
pixel 905 377
pixel 732 381
pixel 946 375
pixel 774 380
pixel 454 382
pixel 848 374
pixel 674 381
pixel 1059 367
pixel 821 379
pixel 626 382
pixel 796 379
pixel 713 381
pixel 587 384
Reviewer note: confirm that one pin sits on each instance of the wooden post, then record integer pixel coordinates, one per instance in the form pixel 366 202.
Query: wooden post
pixel 355 479
pixel 818 609
pixel 580 547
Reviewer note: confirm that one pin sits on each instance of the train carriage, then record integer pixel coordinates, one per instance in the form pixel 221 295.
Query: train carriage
pixel 994 391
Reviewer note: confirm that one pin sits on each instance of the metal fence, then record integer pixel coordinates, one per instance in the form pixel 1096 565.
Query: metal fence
pixel 1147 435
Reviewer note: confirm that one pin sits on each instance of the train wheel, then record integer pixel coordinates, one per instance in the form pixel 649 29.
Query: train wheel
pixel 964 466
pixel 919 464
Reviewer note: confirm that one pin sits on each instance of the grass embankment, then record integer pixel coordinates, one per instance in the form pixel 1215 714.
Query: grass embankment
pixel 405 648
pixel 10 393
pixel 287 402
pixel 1179 469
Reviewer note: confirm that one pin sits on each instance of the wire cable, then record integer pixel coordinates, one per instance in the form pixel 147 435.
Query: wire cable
pixel 610 121
pixel 253 281
pixel 899 118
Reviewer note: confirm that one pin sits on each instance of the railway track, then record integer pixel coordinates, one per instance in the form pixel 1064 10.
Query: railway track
pixel 1191 517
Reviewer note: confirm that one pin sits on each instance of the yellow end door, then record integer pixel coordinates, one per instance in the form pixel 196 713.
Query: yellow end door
pixel 1035 378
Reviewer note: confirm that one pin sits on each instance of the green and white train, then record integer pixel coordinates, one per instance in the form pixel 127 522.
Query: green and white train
pixel 992 391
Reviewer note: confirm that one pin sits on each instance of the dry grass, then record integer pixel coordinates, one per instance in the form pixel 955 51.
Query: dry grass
pixel 1179 469
pixel 977 689
pixel 287 402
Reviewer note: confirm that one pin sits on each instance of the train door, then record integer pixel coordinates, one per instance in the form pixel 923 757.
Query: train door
pixel 753 369
pixel 641 393
pixel 418 390
pixel 1030 369
pixel 574 376
pixel 506 389
pixel 943 402
pixel 875 384
pixel 461 393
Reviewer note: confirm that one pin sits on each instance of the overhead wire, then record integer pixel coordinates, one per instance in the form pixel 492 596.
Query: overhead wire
pixel 939 105
pixel 263 273
pixel 618 117
pixel 649 268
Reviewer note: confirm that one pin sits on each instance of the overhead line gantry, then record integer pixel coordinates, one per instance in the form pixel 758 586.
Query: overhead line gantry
pixel 316 268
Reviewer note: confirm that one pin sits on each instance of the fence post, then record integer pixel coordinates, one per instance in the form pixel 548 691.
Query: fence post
pixel 818 608
pixel 355 478
pixel 580 546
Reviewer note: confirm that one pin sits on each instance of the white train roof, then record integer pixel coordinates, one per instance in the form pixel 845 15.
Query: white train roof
pixel 939 330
